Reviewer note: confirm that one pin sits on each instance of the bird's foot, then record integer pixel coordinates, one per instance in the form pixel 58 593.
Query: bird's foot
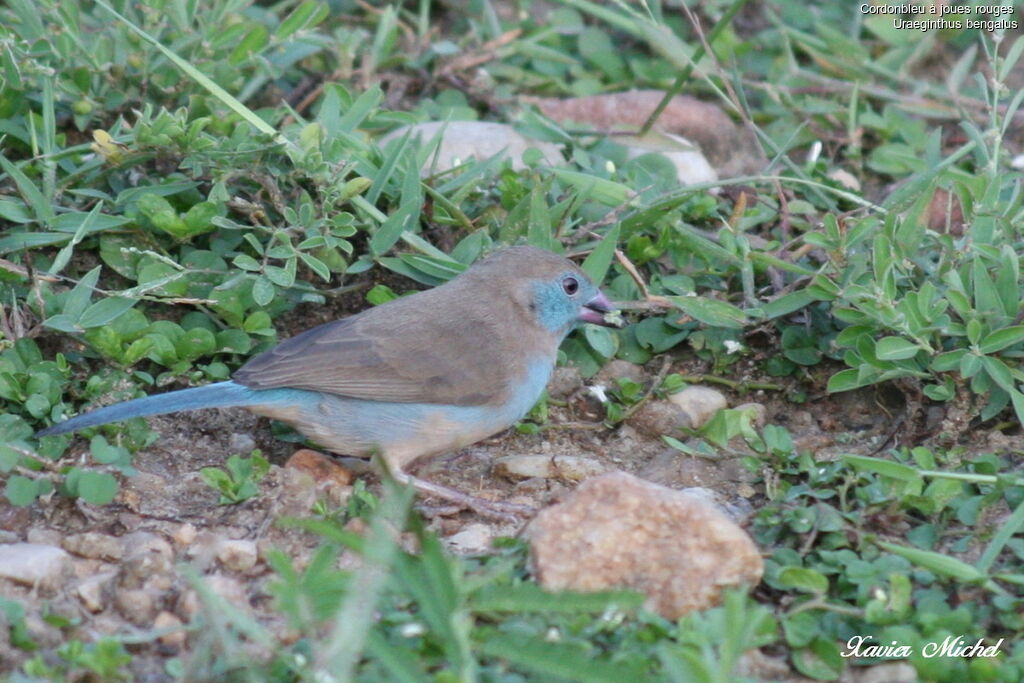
pixel 509 512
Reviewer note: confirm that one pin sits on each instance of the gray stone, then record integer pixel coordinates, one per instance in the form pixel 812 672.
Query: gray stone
pixel 465 140
pixel 699 403
pixel 94 546
pixel 34 564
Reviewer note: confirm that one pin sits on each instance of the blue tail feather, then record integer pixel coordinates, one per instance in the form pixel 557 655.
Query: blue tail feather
pixel 220 395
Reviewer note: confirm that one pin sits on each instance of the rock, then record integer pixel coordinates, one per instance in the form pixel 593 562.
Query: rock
pixel 464 140
pixel 241 443
pixel 617 369
pixel 92 591
pixel 759 413
pixel 139 542
pixel 94 546
pixel 564 467
pixel 691 166
pixel 142 566
pixel 237 555
pixel 203 551
pixel 699 403
pixel 185 534
pixel 34 564
pixel 536 486
pixel 225 587
pixel 175 637
pixel 564 382
pixel 321 467
pixel 44 536
pixel 731 149
pixel 617 531
pixel 298 493
pixel 137 605
pixel 655 418
pixel 472 539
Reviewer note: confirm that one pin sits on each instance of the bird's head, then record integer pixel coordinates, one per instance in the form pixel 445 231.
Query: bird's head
pixel 552 288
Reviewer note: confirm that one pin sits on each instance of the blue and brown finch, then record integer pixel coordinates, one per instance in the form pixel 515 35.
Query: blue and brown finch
pixel 417 376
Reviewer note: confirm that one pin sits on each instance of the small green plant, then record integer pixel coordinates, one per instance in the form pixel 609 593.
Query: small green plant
pixel 239 479
pixel 106 660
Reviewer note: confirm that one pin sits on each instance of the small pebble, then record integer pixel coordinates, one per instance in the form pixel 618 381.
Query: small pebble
pixel 699 403
pixel 91 591
pixel 185 534
pixel 93 545
pixel 242 443
pixel 237 555
pixel 564 467
pixel 758 411
pixel 175 638
pixel 656 418
pixel 472 539
pixel 137 605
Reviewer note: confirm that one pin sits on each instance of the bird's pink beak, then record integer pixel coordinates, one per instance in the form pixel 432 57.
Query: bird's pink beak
pixel 595 310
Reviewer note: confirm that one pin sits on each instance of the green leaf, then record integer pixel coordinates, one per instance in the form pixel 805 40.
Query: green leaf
pixel 999 372
pixel 96 488
pixel 803 579
pixel 845 380
pixel 262 291
pixel 936 562
pixel 599 261
pixel 601 339
pixel 253 43
pixel 946 362
pixel 550 661
pixel 78 298
pixel 785 304
pixel 711 311
pixel 529 597
pixel 888 468
pixel 105 311
pixel 822 660
pixel 1001 339
pixel 30 193
pixel 306 15
pixel 607 192
pixel 895 348
pixel 21 491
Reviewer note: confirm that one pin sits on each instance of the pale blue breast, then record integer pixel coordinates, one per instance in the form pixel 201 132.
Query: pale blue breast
pixel 402 432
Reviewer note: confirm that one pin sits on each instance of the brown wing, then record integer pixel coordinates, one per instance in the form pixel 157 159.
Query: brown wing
pixel 433 347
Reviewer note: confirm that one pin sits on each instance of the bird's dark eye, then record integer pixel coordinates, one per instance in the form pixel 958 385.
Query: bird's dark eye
pixel 570 285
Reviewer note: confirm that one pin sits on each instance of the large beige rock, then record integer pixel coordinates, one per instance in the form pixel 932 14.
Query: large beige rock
pixel 461 141
pixel 618 531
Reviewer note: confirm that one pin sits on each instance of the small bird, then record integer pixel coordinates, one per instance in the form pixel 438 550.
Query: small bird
pixel 417 376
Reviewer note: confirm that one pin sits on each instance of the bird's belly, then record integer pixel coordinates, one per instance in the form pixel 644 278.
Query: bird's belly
pixel 400 432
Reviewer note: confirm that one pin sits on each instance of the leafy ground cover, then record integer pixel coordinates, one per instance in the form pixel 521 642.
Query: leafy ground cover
pixel 184 183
